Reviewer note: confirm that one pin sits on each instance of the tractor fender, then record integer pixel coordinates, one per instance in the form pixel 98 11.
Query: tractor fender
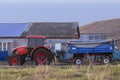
pixel 41 47
pixel 20 50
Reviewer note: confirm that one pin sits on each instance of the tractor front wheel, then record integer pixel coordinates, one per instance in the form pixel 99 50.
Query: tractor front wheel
pixel 15 60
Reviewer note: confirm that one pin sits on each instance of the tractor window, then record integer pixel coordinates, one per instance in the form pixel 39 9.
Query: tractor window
pixel 34 42
pixel 31 42
pixel 40 42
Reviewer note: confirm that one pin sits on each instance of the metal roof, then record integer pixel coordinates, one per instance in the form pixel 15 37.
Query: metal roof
pixel 52 29
pixel 11 29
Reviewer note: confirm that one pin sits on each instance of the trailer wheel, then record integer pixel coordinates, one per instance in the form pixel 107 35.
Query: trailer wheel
pixel 106 60
pixel 15 60
pixel 41 56
pixel 78 61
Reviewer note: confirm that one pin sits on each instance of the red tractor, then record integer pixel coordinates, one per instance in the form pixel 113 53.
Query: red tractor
pixel 34 51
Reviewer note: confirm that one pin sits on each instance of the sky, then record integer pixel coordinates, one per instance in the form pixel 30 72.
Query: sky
pixel 82 11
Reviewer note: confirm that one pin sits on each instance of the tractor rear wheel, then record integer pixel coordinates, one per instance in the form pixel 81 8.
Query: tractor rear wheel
pixel 15 60
pixel 41 56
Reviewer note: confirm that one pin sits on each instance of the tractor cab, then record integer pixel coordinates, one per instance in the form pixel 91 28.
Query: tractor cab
pixel 34 41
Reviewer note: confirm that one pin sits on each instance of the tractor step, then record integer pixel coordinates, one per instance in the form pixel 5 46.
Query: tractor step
pixel 28 58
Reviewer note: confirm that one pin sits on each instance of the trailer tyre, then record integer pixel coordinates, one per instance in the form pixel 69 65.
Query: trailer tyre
pixel 106 60
pixel 78 61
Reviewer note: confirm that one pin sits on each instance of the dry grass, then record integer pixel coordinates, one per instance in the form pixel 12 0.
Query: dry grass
pixel 72 72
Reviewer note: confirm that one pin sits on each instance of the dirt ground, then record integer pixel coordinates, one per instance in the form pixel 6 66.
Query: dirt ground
pixel 5 63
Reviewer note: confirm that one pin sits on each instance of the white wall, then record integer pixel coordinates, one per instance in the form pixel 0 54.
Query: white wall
pixel 12 43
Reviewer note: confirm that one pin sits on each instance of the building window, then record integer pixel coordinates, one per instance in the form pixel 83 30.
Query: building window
pixel 4 46
pixel 90 37
pixel 97 38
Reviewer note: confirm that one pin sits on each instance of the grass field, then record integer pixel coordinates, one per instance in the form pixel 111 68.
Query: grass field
pixel 70 72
